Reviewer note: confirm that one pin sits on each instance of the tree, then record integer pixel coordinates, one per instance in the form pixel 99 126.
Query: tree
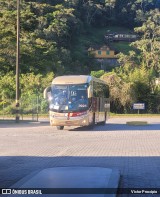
pixel 134 80
pixel 110 5
pixel 145 5
pixel 122 94
pixel 149 45
pixel 125 12
pixel 32 87
pixel 90 12
pixel 7 86
pixel 61 26
pixel 97 74
pixel 7 35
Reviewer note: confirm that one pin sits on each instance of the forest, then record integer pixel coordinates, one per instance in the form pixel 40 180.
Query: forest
pixel 52 44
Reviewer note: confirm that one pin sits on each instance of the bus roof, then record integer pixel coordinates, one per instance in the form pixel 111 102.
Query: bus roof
pixel 75 79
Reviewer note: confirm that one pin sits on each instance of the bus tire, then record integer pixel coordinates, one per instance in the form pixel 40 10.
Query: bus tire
pixel 104 121
pixel 60 127
pixel 91 126
pixel 105 118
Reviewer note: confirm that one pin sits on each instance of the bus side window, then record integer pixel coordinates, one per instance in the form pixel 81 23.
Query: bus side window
pixel 94 89
pixel 100 90
pixel 106 91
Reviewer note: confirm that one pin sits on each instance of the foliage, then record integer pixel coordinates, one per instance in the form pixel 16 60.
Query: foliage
pixel 50 31
pixel 134 80
pixel 31 86
pixel 97 74
pixel 45 33
pixel 122 94
pixel 149 45
pixel 55 36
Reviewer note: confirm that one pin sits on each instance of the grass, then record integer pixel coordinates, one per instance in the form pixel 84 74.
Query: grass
pixel 12 116
pixel 121 47
pixel 117 29
pixel 95 37
pixel 134 115
pixel 136 123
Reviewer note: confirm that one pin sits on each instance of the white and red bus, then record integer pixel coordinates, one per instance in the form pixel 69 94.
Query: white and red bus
pixel 77 100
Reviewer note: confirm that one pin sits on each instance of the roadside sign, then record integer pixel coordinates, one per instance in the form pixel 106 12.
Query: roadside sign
pixel 138 105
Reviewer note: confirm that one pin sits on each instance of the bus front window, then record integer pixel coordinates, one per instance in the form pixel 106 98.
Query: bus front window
pixel 59 98
pixel 78 99
pixel 69 98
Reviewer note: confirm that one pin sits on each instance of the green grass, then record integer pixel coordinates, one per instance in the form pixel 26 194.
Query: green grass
pixel 95 37
pixel 137 123
pixel 133 115
pixel 122 47
pixel 116 29
pixel 24 116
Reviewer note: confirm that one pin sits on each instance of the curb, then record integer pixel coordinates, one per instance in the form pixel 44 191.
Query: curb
pixel 137 123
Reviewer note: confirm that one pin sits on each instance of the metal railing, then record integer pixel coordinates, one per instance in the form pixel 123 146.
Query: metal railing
pixel 30 108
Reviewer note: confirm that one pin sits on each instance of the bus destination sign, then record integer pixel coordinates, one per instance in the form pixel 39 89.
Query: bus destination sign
pixel 138 105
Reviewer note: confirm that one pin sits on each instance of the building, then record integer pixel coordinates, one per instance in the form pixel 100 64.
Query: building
pixel 102 52
pixel 111 37
pixel 105 55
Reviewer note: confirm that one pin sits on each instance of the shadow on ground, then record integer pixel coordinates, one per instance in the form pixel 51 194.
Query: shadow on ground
pixel 119 127
pixel 136 172
pixel 107 127
pixel 25 123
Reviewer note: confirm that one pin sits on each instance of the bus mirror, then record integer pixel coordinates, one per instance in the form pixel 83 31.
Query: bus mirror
pixel 46 92
pixel 89 92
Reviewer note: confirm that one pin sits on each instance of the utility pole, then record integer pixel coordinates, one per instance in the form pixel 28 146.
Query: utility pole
pixel 17 61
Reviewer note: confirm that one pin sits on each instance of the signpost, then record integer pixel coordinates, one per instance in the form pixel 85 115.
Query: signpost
pixel 138 106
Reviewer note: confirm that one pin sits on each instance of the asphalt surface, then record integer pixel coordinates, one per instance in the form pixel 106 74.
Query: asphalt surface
pixel 134 150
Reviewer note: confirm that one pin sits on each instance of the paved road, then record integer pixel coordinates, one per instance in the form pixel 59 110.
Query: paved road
pixel 134 150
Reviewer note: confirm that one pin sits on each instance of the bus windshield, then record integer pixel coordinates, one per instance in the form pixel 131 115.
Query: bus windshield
pixel 69 98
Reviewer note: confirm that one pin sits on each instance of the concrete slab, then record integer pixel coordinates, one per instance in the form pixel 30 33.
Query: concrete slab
pixel 71 181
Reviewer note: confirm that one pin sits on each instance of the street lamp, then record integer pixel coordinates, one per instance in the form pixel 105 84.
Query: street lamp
pixel 17 61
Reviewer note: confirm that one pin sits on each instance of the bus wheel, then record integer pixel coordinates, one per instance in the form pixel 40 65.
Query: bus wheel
pixel 104 121
pixel 105 118
pixel 91 126
pixel 60 127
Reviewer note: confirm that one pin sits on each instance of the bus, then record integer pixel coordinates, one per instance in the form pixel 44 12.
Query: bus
pixel 77 100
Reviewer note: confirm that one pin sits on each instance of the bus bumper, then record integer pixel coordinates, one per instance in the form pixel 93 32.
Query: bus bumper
pixel 83 121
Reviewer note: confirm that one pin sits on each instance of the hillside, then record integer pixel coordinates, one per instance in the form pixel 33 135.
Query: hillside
pixel 55 35
pixel 95 37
